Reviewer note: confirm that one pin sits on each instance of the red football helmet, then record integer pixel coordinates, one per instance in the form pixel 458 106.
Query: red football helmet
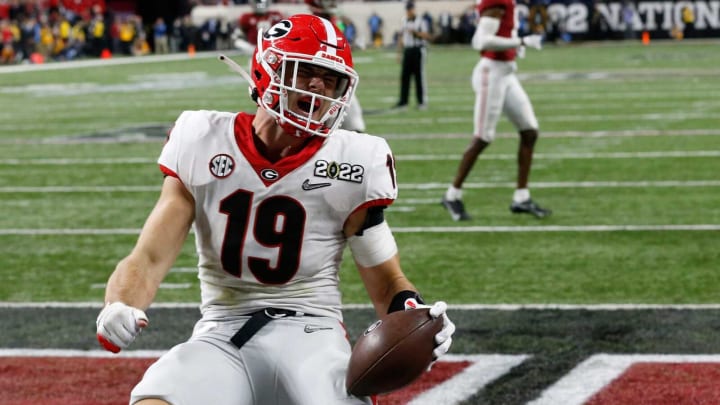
pixel 289 46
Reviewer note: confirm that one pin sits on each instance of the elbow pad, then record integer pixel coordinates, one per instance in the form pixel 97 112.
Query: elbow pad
pixel 375 246
pixel 485 38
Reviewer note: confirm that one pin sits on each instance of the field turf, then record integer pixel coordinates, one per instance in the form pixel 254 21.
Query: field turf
pixel 628 159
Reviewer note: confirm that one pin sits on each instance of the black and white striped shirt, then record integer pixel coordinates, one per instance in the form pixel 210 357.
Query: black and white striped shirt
pixel 417 24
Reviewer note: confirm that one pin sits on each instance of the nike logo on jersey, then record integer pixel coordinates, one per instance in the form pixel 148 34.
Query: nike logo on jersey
pixel 312 329
pixel 307 186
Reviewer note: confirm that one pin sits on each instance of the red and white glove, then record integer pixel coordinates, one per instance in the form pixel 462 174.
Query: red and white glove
pixel 533 41
pixel 443 339
pixel 118 325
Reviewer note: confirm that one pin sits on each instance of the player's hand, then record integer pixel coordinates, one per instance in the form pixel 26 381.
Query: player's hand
pixel 533 41
pixel 443 339
pixel 118 325
pixel 520 53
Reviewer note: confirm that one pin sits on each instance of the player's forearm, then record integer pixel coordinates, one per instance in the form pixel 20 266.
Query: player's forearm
pixel 383 282
pixel 485 38
pixel 132 284
pixel 495 43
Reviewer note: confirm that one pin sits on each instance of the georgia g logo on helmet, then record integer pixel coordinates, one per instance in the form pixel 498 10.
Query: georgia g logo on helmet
pixel 278 30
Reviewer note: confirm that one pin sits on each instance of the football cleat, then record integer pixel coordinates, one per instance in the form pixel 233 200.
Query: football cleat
pixel 529 207
pixel 456 209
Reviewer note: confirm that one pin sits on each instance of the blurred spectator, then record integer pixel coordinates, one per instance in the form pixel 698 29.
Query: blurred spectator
pixel 445 21
pixel 160 36
pixel 225 29
pixel 188 33
pixel 628 14
pixel 538 16
pixel 208 34
pixel 348 28
pixel 466 27
pixel 127 33
pixel 430 23
pixel 688 21
pixel 77 44
pixel 47 40
pixel 375 23
pixel 7 35
pixel 29 36
pixel 140 44
pixel 599 27
pixel 96 32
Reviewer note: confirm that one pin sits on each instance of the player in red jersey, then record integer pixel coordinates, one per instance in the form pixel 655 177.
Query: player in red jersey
pixel 273 197
pixel 261 18
pixel 498 91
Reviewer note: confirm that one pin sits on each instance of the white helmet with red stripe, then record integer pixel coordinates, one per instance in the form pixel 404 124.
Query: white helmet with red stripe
pixel 300 44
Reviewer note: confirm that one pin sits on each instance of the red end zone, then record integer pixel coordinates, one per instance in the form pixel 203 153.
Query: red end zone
pixel 55 377
pixel 69 380
pixel 664 384
pixel 638 379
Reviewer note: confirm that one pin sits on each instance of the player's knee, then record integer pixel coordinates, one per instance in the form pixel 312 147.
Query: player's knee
pixel 528 137
pixel 476 146
pixel 485 136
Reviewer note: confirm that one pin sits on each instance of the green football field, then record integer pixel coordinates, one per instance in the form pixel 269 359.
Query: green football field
pixel 628 160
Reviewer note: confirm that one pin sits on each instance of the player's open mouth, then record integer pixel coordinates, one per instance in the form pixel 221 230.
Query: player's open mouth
pixel 306 103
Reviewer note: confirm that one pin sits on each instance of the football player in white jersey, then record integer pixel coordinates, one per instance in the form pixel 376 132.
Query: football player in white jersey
pixel 273 199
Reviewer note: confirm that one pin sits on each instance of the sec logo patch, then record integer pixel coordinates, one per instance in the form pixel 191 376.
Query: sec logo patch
pixel 222 165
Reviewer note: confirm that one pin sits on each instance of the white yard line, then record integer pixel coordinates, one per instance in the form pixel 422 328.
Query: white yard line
pixel 80 189
pixel 460 307
pixel 555 228
pixel 405 186
pixel 566 156
pixel 409 229
pixel 110 62
pixel 110 139
pixel 424 157
pixel 565 184
pixel 568 134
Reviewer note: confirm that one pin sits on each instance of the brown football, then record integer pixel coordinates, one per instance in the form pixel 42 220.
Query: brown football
pixel 392 352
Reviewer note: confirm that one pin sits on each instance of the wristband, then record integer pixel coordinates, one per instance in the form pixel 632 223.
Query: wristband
pixel 398 301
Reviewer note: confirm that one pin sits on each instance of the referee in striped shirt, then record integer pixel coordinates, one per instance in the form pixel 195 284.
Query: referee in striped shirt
pixel 412 42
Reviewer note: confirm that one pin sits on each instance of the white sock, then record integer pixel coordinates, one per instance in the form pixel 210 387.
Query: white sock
pixel 453 194
pixel 521 194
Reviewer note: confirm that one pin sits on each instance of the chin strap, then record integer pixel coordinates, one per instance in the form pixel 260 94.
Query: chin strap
pixel 239 70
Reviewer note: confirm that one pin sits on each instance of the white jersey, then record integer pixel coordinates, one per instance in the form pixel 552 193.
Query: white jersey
pixel 271 234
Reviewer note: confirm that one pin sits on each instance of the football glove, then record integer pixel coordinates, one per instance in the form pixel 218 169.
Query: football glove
pixel 443 339
pixel 118 325
pixel 533 41
pixel 520 53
